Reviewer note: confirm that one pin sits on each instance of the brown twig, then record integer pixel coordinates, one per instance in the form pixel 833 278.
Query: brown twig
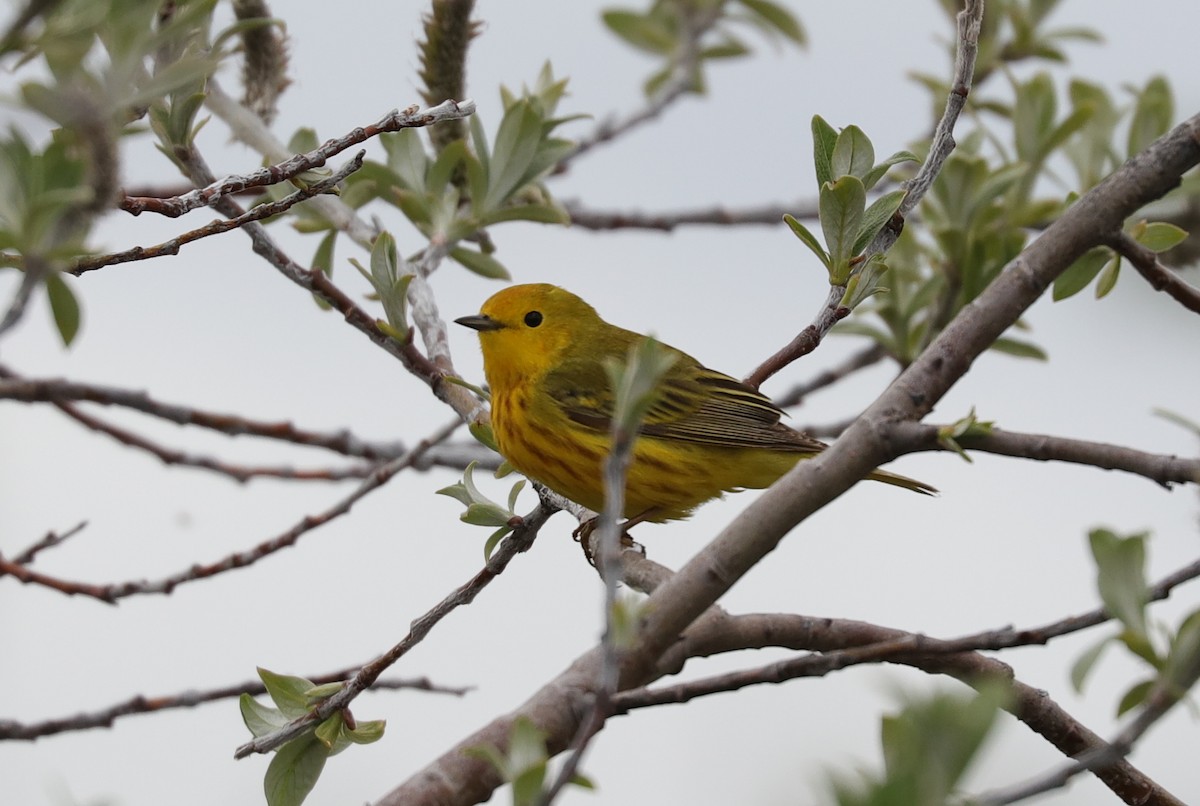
pixel 112 592
pixel 1159 468
pixel 218 226
pixel 1159 276
pixel 866 357
pixel 239 473
pixel 518 541
pixel 50 540
pixel 213 190
pixel 140 704
pixel 766 215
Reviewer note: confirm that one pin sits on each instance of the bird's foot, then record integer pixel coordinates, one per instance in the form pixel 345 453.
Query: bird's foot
pixel 585 533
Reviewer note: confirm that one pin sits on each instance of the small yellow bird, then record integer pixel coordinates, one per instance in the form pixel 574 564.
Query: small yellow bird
pixel 544 353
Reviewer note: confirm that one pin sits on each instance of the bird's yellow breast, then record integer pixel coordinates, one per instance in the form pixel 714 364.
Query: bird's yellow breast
pixel 667 478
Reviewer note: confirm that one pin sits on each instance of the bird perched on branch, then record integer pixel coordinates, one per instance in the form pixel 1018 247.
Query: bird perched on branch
pixel 704 434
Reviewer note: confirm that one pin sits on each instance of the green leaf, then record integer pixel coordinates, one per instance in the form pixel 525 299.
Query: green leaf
pixel 260 719
pixel 1159 236
pixel 1082 667
pixel 1183 661
pixel 808 239
pixel 64 307
pixel 824 139
pixel 841 204
pixel 366 732
pixel 1121 578
pixel 494 540
pixel 778 17
pixel 853 154
pixel 541 213
pixel 873 176
pixel 407 158
pixel 481 264
pixel 1108 277
pixel 327 732
pixel 1033 116
pixel 294 771
pixel 287 691
pixel 1152 115
pixel 641 31
pixel 1019 348
pixel 1080 273
pixel 876 218
pixel 1134 697
pixel 517 143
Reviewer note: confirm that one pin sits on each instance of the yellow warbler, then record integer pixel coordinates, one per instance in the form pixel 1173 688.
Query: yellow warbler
pixel 544 351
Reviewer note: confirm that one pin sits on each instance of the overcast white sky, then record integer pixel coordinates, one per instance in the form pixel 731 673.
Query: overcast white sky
pixel 219 329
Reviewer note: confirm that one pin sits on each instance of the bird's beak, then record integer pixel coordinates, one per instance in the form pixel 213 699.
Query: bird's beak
pixel 480 322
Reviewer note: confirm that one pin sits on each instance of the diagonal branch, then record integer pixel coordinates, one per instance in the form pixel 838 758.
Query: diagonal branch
pixel 1159 276
pixel 519 540
pixel 832 311
pixel 679 601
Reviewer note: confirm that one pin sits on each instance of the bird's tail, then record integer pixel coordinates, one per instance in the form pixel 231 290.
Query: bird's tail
pixel 902 481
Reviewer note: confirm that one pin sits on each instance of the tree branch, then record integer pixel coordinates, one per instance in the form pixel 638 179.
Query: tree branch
pixel 140 704
pixel 1159 468
pixel 110 593
pixel 766 215
pixel 1159 276
pixel 518 541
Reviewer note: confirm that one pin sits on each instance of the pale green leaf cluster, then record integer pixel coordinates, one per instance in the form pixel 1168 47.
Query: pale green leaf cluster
pixel 482 510
pixel 686 34
pixel 525 763
pixel 296 766
pixel 969 426
pixel 453 195
pixel 1172 656
pixel 846 170
pixel 390 286
pixel 636 381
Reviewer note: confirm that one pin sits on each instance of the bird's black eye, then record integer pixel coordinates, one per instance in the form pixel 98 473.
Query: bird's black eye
pixel 533 318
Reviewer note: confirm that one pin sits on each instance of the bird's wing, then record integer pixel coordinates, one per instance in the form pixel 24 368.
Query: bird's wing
pixel 692 404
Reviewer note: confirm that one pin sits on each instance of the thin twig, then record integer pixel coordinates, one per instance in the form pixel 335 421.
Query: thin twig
pixel 866 357
pixel 220 225
pixel 51 540
pixel 111 593
pixel 1159 276
pixel 239 473
pixel 411 117
pixel 766 215
pixel 54 390
pixel 140 704
pixel 518 541
pixel 678 83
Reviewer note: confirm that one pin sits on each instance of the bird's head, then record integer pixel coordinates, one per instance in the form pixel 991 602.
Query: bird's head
pixel 526 330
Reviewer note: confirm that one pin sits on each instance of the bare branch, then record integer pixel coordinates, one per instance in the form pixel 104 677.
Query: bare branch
pixel 1159 276
pixel 518 541
pixel 51 540
pixel 866 357
pixel 110 593
pixel 1162 469
pixel 239 473
pixel 218 226
pixel 411 117
pixel 140 704
pixel 679 83
pixel 766 215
